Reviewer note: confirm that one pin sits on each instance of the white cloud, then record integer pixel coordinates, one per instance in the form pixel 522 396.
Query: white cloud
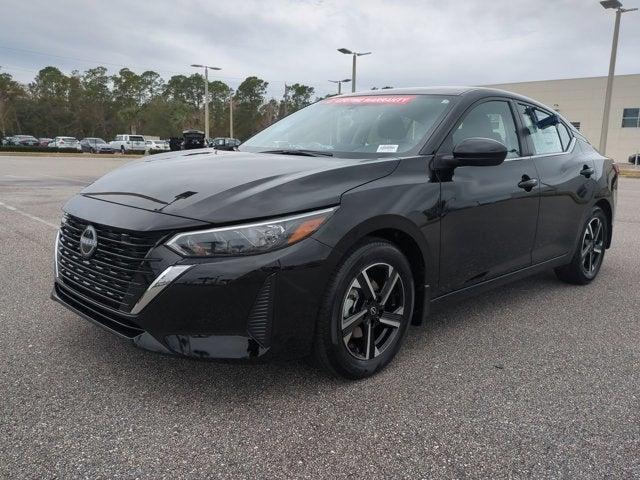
pixel 414 42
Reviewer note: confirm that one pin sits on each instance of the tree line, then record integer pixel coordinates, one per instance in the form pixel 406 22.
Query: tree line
pixel 96 104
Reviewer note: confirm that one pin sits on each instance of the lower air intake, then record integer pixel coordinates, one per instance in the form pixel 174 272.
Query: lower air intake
pixel 261 316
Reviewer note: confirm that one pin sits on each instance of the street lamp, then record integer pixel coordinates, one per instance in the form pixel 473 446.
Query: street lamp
pixel 206 96
pixel 617 6
pixel 340 82
pixel 346 51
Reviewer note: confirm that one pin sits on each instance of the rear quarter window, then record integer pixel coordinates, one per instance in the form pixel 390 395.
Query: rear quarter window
pixel 565 136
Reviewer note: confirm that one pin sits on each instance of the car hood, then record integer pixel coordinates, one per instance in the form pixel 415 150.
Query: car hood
pixel 224 187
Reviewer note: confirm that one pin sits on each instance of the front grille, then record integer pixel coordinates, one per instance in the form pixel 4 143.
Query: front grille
pixel 118 323
pixel 116 274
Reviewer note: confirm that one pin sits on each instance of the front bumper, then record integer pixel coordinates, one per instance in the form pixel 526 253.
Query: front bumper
pixel 221 308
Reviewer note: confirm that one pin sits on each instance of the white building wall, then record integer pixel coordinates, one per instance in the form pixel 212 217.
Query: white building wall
pixel 582 100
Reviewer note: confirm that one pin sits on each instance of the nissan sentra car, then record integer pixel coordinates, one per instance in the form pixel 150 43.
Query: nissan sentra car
pixel 334 229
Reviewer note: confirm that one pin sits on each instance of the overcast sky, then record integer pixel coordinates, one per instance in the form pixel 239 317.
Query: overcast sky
pixel 414 42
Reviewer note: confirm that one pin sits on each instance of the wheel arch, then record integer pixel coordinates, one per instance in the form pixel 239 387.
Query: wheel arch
pixel 606 207
pixel 407 237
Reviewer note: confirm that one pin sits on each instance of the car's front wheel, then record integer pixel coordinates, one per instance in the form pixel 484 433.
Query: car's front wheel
pixel 587 259
pixel 365 312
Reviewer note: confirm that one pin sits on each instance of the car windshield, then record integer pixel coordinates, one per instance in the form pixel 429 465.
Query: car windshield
pixel 355 125
pixel 69 139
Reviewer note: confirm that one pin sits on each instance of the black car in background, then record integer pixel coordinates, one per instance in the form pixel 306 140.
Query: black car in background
pixel 331 231
pixel 225 143
pixel 95 145
pixel 192 139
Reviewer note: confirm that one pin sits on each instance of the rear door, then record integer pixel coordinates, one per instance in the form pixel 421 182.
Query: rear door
pixel 566 187
pixel 489 213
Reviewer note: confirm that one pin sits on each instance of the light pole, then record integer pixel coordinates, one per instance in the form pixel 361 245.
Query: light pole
pixel 617 5
pixel 340 82
pixel 346 51
pixel 231 116
pixel 206 96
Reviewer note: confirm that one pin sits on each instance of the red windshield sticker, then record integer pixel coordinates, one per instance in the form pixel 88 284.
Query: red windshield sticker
pixel 373 100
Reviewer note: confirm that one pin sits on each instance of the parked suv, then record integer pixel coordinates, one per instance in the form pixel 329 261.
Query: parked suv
pixel 125 143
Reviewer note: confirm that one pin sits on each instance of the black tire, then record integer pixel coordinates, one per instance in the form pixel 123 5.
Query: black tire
pixel 584 269
pixel 353 355
pixel 122 149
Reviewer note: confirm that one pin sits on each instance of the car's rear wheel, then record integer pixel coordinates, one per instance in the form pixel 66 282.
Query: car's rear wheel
pixel 365 312
pixel 588 257
pixel 122 149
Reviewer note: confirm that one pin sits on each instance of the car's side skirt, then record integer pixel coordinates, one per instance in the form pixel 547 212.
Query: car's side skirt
pixel 501 280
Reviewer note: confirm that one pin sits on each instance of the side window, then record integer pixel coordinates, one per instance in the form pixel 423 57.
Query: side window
pixel 490 120
pixel 545 141
pixel 565 137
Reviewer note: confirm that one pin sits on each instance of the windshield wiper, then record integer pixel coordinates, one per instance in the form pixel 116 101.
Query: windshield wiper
pixel 305 153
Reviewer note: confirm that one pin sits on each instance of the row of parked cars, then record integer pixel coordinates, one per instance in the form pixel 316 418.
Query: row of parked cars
pixel 122 143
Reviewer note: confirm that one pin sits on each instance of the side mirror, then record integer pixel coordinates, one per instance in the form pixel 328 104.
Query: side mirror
pixel 473 152
pixel 549 121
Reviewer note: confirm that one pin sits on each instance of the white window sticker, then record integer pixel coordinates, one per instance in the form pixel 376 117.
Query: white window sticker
pixel 387 148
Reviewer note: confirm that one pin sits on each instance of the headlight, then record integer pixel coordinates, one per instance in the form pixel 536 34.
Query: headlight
pixel 251 238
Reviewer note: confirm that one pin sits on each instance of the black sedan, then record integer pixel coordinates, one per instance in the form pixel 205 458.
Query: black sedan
pixel 331 231
pixel 95 145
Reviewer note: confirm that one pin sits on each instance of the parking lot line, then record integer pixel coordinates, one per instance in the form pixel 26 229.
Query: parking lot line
pixel 28 215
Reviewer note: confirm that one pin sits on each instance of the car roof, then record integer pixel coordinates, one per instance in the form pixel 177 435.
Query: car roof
pixel 445 90
pixel 413 91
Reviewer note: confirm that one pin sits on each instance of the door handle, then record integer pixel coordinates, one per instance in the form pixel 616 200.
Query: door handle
pixel 528 183
pixel 587 171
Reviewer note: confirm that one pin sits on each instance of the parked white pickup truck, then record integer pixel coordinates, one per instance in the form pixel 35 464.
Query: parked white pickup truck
pixel 125 143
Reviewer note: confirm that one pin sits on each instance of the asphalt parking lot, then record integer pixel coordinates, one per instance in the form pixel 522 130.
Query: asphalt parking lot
pixel 536 379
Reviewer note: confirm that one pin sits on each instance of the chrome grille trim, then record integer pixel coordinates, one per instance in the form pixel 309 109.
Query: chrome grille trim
pixel 119 271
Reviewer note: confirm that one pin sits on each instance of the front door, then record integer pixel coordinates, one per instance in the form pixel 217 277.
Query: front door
pixel 489 213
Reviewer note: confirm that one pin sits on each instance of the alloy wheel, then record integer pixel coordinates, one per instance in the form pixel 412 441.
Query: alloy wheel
pixel 592 247
pixel 373 311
